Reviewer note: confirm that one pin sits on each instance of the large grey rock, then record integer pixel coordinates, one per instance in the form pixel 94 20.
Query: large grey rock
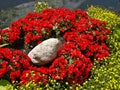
pixel 45 52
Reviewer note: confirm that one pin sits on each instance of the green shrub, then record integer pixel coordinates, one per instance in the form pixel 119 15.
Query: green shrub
pixel 5 85
pixel 39 6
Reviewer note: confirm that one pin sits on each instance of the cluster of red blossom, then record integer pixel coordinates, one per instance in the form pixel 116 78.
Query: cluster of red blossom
pixel 9 35
pixel 84 37
pixel 13 62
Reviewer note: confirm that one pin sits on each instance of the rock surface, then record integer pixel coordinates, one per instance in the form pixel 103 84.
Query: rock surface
pixel 45 52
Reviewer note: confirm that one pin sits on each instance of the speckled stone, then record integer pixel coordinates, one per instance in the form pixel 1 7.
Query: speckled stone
pixel 45 52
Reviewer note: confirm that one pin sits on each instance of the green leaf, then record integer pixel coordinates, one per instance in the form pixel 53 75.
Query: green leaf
pixel 0 60
pixel 3 45
pixel 3 84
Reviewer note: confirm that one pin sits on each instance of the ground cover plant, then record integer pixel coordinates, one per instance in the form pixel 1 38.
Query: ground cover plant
pixel 78 65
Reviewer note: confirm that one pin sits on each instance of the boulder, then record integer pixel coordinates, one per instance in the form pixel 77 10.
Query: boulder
pixel 45 52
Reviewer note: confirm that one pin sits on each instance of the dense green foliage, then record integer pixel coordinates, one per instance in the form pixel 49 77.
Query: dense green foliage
pixel 4 85
pixel 39 6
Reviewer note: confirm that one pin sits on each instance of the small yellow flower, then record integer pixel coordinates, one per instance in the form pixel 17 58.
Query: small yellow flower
pixel 66 83
pixel 27 74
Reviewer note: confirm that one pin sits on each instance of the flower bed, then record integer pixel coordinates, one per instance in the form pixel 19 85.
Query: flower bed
pixel 85 40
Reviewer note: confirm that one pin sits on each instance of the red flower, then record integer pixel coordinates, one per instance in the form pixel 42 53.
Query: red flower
pixel 4 68
pixel 14 75
pixel 79 70
pixel 32 75
pixel 58 68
